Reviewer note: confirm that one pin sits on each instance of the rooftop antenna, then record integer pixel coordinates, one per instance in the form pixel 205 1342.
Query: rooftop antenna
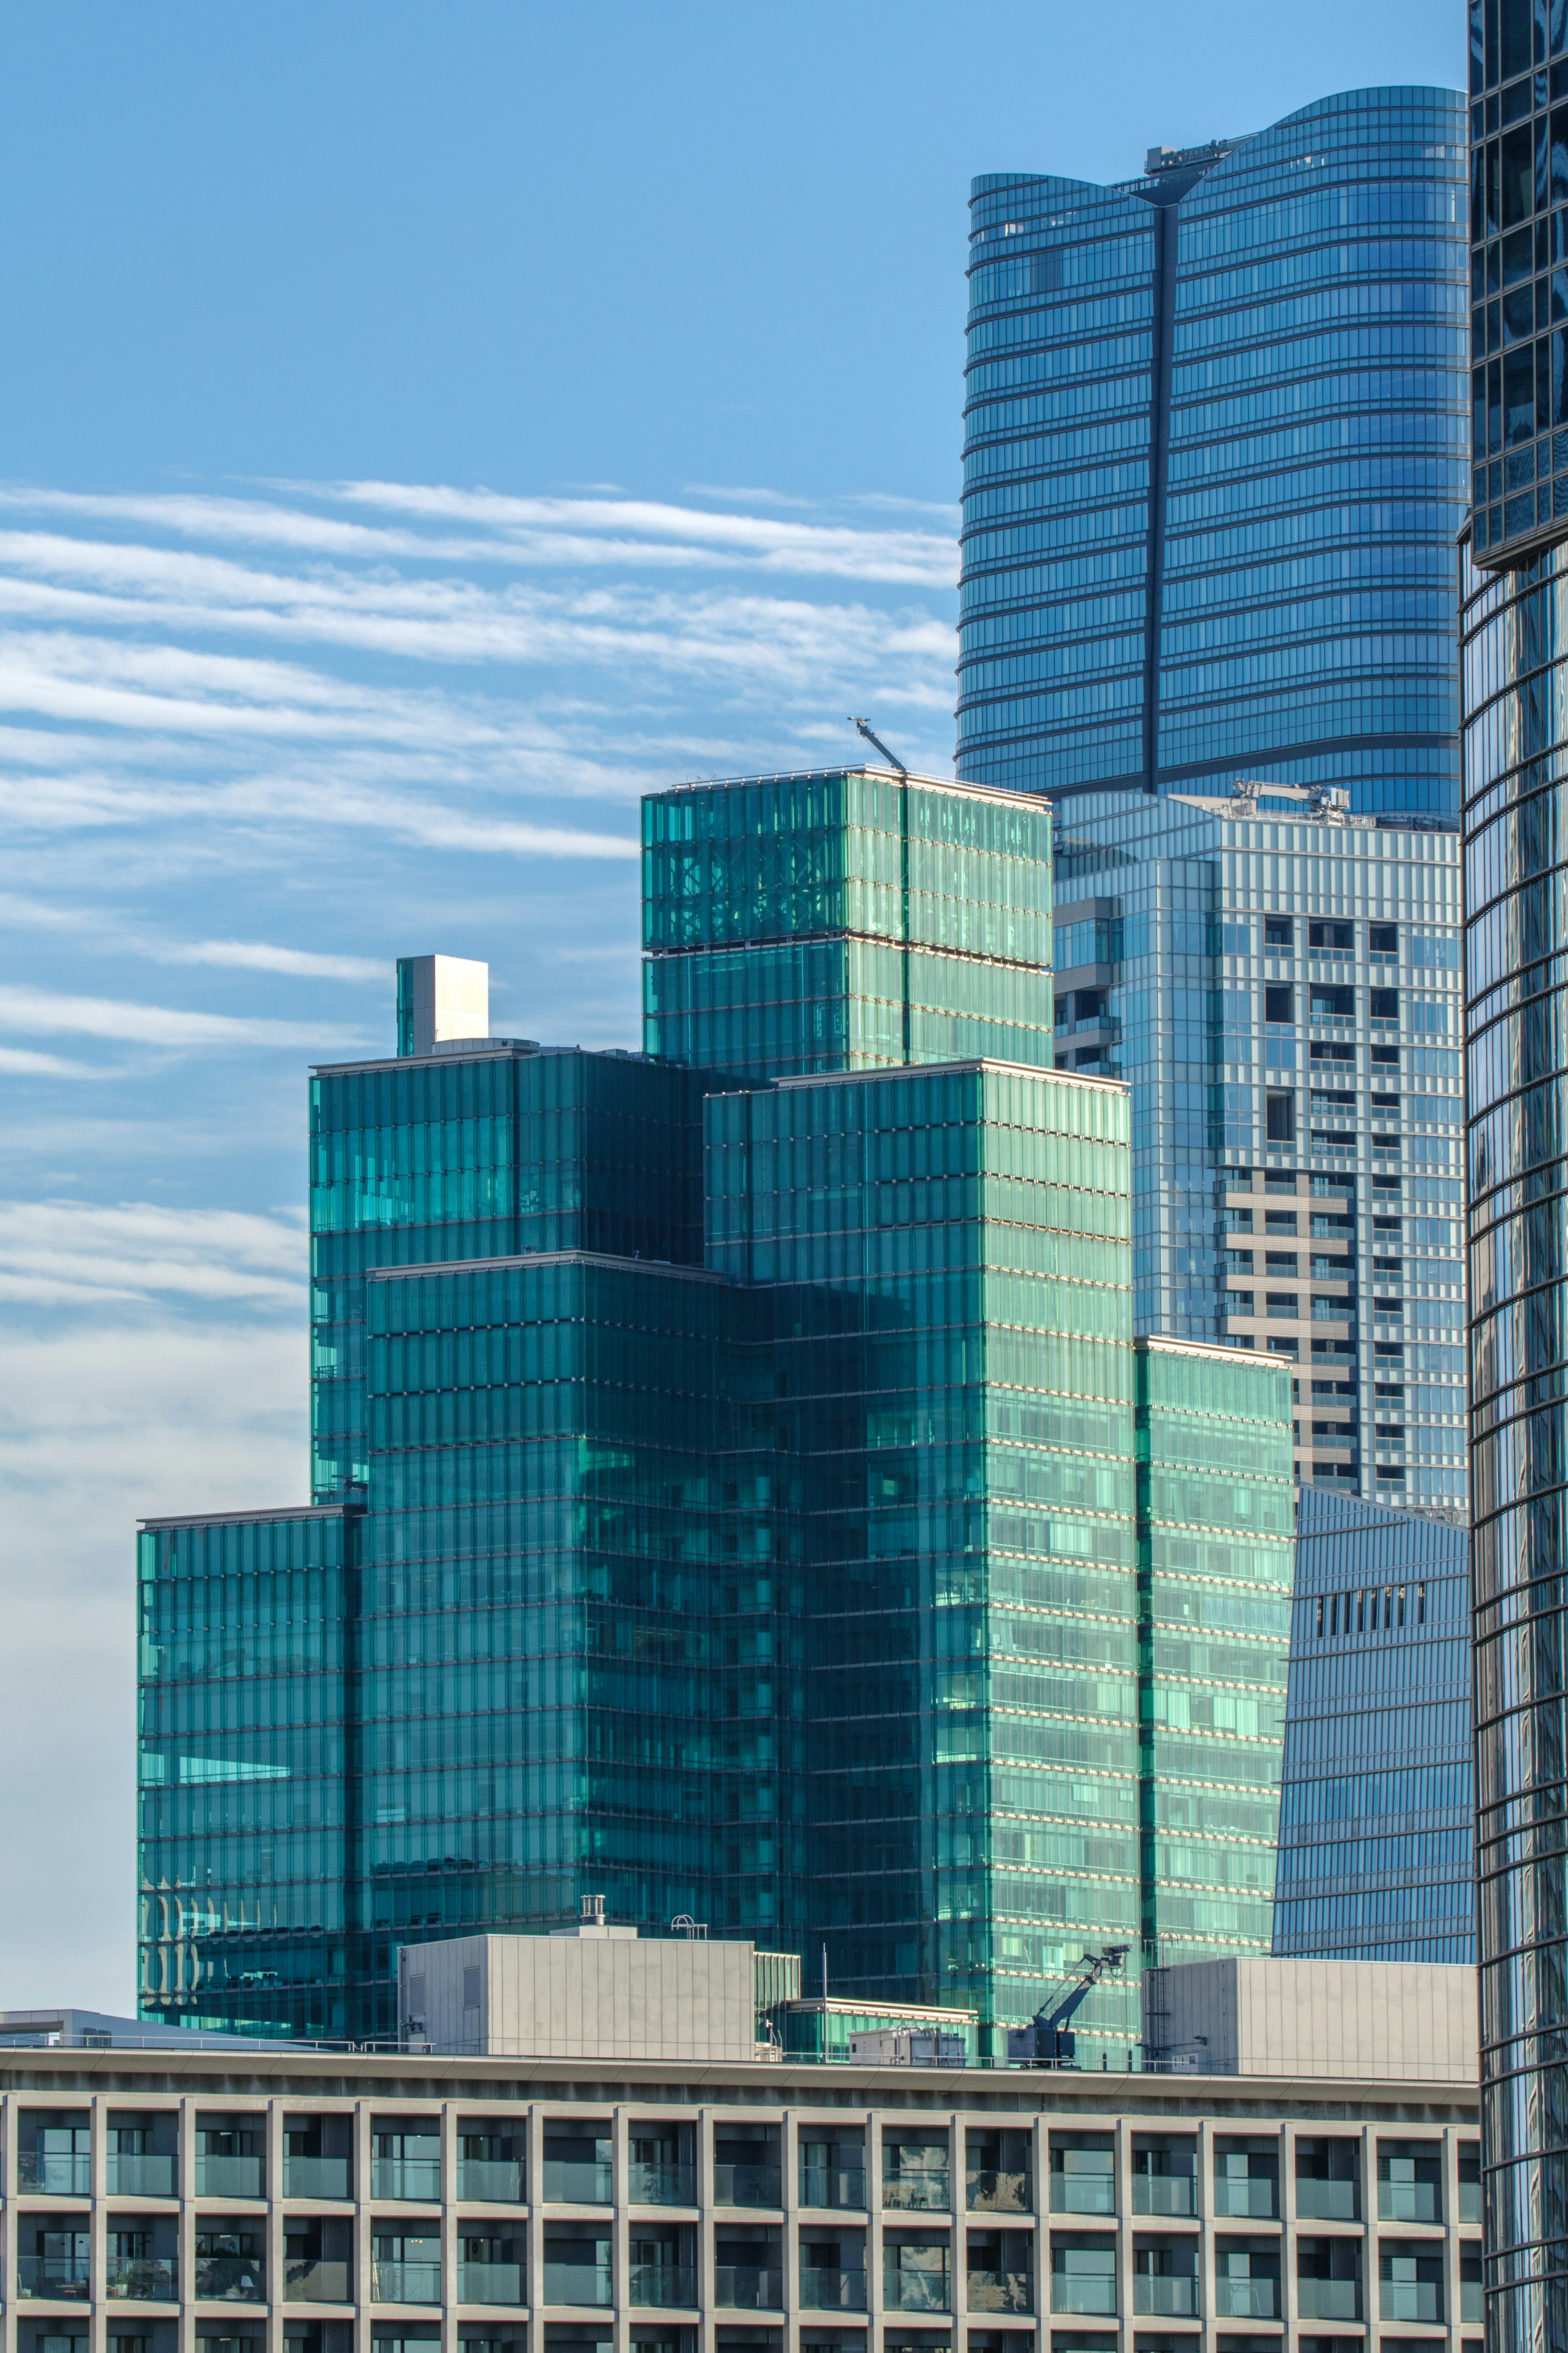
pixel 863 727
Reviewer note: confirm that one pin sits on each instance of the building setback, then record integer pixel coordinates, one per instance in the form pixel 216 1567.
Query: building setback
pixel 1376 1851
pixel 1214 458
pixel 727 1478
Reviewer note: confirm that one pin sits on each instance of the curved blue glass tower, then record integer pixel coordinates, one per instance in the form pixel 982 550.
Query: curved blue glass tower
pixel 1215 461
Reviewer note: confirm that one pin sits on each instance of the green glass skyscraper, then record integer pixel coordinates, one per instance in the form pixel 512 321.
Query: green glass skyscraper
pixel 725 1460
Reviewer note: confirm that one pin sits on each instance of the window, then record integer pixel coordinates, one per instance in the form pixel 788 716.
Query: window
pixel 1385 1005
pixel 1339 936
pixel 1279 1003
pixel 1279 931
pixel 1280 1113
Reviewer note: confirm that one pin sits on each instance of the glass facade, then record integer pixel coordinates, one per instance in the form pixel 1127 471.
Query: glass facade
pixel 734 1474
pixel 844 920
pixel 245 1778
pixel 1518 290
pixel 1376 1852
pixel 1279 984
pixel 1216 1555
pixel 1516 728
pixel 1214 453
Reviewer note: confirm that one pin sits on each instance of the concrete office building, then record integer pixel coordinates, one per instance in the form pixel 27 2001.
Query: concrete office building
pixel 738 1490
pixel 1278 983
pixel 1377 1812
pixel 320 2202
pixel 1513 580
pixel 1214 456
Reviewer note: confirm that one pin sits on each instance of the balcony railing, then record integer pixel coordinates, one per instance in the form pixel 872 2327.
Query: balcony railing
pixel 405 2177
pixel 1329 2299
pixel 57 2278
pixel 56 2176
pixel 1326 2201
pixel 230 2177
pixel 231 2279
pixel 917 2193
pixel 1172 2294
pixel 907 2290
pixel 490 2283
pixel 1471 2304
pixel 1000 2193
pixel 497 2179
pixel 1083 2193
pixel 1410 2300
pixel 833 2185
pixel 1164 2193
pixel 143 2279
pixel 824 2288
pixel 1248 2299
pixel 392 2282
pixel 578 2181
pixel 1084 2292
pixel 589 2283
pixel 1469 2200
pixel 743 2289
pixel 318 2176
pixel 747 2185
pixel 151 2176
pixel 664 2285
pixel 661 2185
pixel 1409 2201
pixel 1254 2195
pixel 318 2282
pixel 1001 2291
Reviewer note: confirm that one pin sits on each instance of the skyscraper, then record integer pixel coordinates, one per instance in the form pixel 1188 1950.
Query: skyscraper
pixel 1513 587
pixel 728 1479
pixel 1279 982
pixel 1214 453
pixel 1377 1845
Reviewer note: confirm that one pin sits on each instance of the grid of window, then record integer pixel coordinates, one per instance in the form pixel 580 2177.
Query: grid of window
pixel 1518 273
pixel 244 1803
pixel 844 920
pixel 1282 993
pixel 1375 1856
pixel 947 1256
pixel 1240 507
pixel 1215 1557
pixel 1517 969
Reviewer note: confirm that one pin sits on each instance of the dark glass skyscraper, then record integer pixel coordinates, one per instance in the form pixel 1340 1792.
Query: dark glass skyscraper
pixel 729 1479
pixel 1215 450
pixel 1514 651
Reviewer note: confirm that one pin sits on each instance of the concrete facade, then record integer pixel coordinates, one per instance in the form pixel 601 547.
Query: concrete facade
pixel 1380 2020
pixel 600 1989
pixel 301 2202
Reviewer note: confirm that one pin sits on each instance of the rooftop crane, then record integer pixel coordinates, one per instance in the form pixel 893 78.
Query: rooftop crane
pixel 1049 2042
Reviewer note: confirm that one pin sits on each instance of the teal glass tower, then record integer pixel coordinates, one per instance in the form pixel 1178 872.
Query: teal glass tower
pixel 1215 460
pixel 726 1462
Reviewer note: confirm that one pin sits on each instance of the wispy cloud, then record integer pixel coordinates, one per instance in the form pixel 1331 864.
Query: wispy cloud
pixel 37 1012
pixel 69 1253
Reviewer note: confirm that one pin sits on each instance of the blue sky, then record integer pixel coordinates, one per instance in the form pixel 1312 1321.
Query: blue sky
pixel 425 430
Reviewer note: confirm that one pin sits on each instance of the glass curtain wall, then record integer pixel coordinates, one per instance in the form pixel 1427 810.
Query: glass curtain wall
pixel 1515 655
pixel 475 1156
pixel 844 920
pixel 1377 1851
pixel 1214 452
pixel 1215 1559
pixel 244 1772
pixel 948 1256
